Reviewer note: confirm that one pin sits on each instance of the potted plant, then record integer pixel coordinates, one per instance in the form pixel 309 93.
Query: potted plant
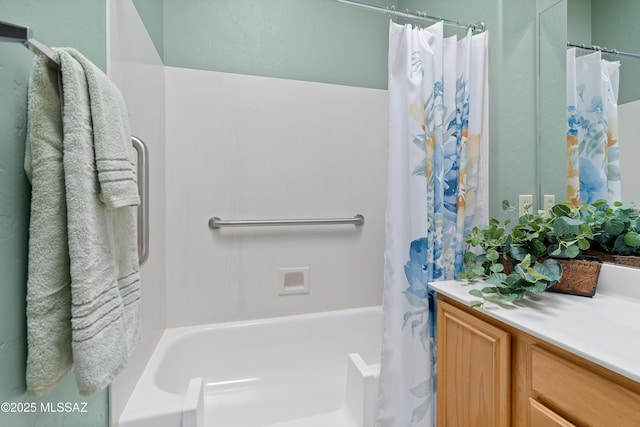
pixel 616 232
pixel 531 255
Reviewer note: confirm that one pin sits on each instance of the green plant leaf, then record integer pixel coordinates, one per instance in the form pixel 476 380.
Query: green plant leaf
pixel 583 244
pixel 561 210
pixel 497 279
pixel 539 286
pixel 620 247
pixel 550 269
pixel 572 252
pixel 574 221
pixel 518 253
pixel 469 258
pixel 477 271
pixel 554 250
pixel 537 248
pixel 632 239
pixel 562 228
pixel 527 273
pixel 497 268
pixel 613 227
pixel 476 293
pixel 492 255
pixel 586 231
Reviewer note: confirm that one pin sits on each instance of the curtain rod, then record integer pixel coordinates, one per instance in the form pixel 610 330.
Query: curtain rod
pixel 18 34
pixel 391 10
pixel 604 49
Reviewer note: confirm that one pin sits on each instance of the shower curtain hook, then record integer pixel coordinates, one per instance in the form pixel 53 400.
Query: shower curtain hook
pixel 390 10
pixel 479 27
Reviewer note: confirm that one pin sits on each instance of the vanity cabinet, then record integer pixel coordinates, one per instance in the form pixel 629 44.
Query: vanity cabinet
pixel 493 374
pixel 474 374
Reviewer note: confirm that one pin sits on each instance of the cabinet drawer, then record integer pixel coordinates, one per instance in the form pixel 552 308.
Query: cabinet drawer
pixel 541 416
pixel 580 395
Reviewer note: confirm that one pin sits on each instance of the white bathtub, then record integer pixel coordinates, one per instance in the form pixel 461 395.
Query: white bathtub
pixel 312 370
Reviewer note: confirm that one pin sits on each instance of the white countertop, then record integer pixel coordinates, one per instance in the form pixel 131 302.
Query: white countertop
pixel 604 329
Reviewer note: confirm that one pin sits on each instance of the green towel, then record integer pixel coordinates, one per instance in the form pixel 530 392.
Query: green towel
pixel 98 174
pixel 48 285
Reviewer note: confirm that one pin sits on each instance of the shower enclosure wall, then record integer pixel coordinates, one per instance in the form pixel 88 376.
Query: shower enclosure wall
pixel 238 146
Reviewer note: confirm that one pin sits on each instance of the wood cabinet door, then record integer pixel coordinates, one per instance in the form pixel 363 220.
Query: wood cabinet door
pixel 473 371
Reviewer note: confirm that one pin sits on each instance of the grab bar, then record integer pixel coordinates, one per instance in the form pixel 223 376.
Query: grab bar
pixel 143 189
pixel 215 222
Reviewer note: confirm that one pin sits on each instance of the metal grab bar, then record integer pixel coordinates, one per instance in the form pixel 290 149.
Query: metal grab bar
pixel 143 190
pixel 215 222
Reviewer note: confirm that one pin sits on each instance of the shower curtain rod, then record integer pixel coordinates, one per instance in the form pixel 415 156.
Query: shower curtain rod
pixel 604 49
pixel 478 27
pixel 18 34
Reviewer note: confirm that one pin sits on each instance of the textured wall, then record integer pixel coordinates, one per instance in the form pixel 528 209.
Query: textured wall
pixel 78 23
pixel 314 40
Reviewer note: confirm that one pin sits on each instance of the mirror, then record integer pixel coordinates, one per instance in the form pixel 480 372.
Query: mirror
pixel 605 23
pixel 552 153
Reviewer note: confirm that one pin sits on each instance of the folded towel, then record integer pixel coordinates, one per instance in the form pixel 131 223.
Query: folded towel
pixel 111 138
pixel 95 175
pixel 48 279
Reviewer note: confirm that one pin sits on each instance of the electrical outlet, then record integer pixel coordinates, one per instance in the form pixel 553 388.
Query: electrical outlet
pixel 525 204
pixel 548 201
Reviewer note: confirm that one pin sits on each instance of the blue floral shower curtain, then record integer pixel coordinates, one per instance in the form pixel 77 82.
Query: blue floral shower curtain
pixel 436 184
pixel 593 159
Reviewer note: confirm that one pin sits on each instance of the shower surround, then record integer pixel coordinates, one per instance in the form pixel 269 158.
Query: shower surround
pixel 248 147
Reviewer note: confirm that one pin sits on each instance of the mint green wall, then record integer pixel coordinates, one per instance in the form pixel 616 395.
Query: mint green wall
pixel 614 24
pixel 579 21
pixel 313 40
pixel 552 68
pixel 152 14
pixel 77 23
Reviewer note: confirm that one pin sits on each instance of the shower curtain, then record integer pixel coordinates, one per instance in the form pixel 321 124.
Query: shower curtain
pixel 435 194
pixel 593 159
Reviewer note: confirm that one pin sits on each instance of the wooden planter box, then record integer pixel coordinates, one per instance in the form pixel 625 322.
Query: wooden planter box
pixel 579 275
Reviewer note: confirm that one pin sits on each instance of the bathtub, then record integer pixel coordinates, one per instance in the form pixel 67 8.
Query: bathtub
pixel 311 370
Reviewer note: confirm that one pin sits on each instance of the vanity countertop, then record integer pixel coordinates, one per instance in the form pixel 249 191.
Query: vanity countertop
pixel 604 329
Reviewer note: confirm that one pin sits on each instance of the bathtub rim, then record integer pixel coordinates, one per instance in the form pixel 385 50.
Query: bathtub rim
pixel 162 404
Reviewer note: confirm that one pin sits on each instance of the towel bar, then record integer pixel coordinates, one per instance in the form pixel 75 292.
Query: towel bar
pixel 19 34
pixel 215 222
pixel 143 190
